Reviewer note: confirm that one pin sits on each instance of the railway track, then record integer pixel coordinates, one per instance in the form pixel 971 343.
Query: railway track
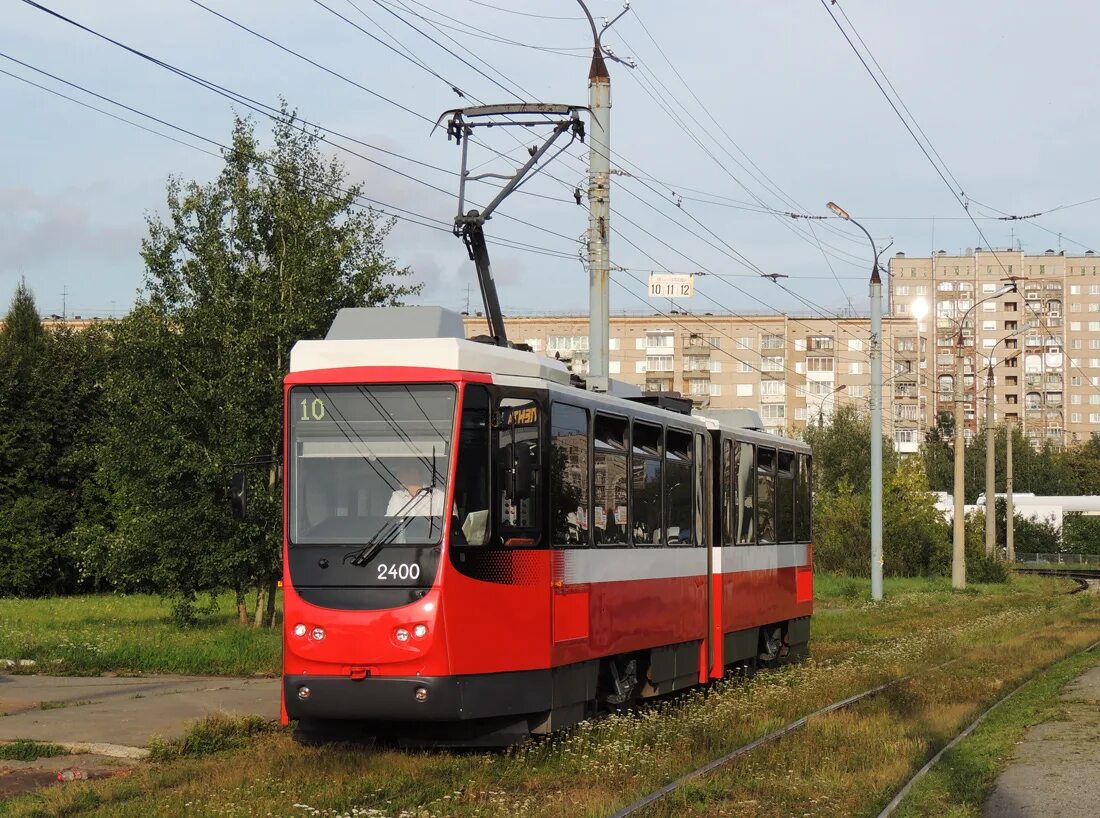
pixel 775 735
pixel 1082 576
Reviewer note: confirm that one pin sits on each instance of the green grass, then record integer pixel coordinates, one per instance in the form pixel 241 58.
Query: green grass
pixel 82 635
pixel 1000 633
pixel 26 750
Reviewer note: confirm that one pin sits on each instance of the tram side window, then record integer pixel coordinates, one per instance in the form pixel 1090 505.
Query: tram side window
pixel 729 498
pixel 646 484
pixel 805 498
pixel 518 471
pixel 471 486
pixel 765 494
pixel 702 491
pixel 784 498
pixel 679 479
pixel 744 468
pixel 610 490
pixel 568 475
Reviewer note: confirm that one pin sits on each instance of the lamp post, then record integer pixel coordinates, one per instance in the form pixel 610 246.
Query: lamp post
pixel 824 400
pixel 958 551
pixel 876 407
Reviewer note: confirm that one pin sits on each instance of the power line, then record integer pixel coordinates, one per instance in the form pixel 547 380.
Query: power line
pixel 521 13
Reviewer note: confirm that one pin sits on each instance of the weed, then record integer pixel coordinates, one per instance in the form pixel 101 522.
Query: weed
pixel 214 734
pixel 27 750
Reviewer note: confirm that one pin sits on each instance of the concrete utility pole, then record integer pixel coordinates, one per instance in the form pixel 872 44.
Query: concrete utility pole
pixel 958 552
pixel 599 209
pixel 876 408
pixel 990 465
pixel 1010 512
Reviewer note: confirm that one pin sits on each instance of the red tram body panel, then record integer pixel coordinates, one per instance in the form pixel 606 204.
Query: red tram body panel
pixel 478 550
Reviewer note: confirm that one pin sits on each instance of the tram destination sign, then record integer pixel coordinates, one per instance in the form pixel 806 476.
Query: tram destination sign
pixel 671 285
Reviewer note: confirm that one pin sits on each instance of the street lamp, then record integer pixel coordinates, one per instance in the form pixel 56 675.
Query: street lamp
pixel 958 555
pixel 876 407
pixel 824 400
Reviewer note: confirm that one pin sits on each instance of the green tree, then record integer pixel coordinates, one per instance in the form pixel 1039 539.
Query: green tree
pixel 241 268
pixel 842 451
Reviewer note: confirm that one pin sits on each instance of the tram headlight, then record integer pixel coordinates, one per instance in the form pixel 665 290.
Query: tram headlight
pixel 420 631
pixel 318 634
pixel 401 635
pixel 421 694
pixel 300 630
pixel 303 692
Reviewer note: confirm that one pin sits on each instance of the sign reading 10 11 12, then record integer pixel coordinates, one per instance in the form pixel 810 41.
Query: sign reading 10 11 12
pixel 671 285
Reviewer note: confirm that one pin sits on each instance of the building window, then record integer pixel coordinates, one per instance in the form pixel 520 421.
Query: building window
pixel 772 363
pixel 771 342
pixel 819 364
pixel 744 390
pixel 658 363
pixel 745 342
pixel 772 387
pixel 905 436
pixel 855 368
pixel 744 366
pixel 775 411
pixel 819 343
pixel 566 343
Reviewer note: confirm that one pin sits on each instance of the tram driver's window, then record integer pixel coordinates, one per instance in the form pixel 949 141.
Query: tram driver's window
pixel 470 525
pixel 518 468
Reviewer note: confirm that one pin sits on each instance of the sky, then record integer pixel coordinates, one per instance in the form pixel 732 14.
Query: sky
pixel 735 109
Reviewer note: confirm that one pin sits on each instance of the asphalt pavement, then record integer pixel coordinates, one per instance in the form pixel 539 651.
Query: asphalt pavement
pixel 1056 769
pixel 120 715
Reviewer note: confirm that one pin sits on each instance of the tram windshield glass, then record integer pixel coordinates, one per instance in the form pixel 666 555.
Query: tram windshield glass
pixel 369 464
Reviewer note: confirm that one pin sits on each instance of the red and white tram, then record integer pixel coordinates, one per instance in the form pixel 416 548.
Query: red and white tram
pixel 477 550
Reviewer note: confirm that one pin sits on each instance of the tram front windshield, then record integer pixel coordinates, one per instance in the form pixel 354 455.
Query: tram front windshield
pixel 369 464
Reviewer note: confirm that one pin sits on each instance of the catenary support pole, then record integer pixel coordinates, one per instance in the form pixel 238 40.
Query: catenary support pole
pixel 958 552
pixel 1010 511
pixel 990 466
pixel 599 221
pixel 876 433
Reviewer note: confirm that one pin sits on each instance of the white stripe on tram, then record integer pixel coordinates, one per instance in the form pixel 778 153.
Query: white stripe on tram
pixel 580 566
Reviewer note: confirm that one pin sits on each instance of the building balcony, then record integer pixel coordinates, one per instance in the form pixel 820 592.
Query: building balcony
pixel 697 350
pixel 772 398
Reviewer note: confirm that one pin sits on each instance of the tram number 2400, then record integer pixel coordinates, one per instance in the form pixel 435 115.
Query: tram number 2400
pixel 398 570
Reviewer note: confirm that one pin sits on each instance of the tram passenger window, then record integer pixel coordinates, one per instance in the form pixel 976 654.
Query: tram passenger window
pixel 610 490
pixel 744 467
pixel 646 484
pixel 702 491
pixel 471 504
pixel 784 498
pixel 729 499
pixel 518 468
pixel 804 506
pixel 679 478
pixel 569 475
pixel 765 494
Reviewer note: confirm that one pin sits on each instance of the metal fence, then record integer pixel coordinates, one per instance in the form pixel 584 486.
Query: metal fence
pixel 1058 559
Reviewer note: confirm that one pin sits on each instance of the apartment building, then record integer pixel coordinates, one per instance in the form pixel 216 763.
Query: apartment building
pixel 1043 343
pixel 792 370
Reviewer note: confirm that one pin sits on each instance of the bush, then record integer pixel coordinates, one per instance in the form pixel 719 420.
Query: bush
pixel 1080 534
